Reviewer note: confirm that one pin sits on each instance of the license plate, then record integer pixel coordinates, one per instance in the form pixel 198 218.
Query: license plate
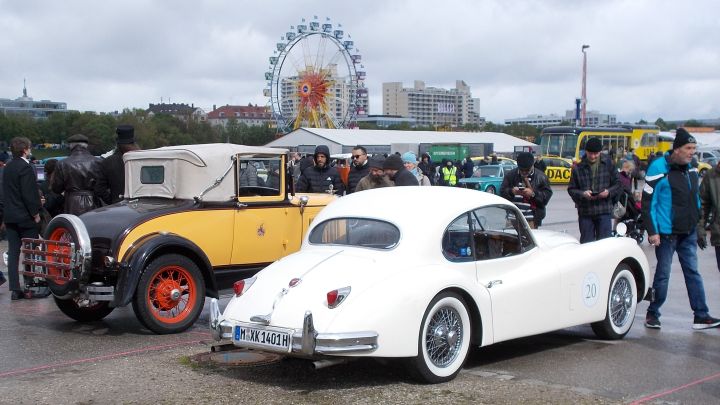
pixel 275 339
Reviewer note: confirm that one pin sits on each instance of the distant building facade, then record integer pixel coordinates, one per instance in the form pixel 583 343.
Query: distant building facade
pixel 250 115
pixel 27 106
pixel 432 106
pixel 538 121
pixel 183 112
pixel 592 119
pixel 384 121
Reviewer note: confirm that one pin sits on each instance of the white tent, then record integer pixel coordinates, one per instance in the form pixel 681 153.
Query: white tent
pixel 342 140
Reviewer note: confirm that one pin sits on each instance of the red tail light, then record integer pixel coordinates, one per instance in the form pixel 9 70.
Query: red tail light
pixel 336 297
pixel 241 286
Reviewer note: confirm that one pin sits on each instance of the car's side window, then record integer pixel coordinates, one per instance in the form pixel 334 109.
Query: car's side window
pixel 258 176
pixel 497 232
pixel 457 240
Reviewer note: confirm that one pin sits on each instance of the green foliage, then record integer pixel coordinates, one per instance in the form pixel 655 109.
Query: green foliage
pixel 693 123
pixel 661 124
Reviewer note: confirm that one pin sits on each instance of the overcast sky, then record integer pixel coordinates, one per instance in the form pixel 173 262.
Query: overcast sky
pixel 647 58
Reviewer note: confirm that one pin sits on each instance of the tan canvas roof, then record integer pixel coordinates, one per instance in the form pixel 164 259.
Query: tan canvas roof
pixel 188 170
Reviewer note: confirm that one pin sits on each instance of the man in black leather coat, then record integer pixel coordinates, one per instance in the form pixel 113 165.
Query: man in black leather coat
pixel 76 176
pixel 527 187
pixel 110 185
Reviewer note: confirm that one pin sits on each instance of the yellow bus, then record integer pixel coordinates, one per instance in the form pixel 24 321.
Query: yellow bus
pixel 569 142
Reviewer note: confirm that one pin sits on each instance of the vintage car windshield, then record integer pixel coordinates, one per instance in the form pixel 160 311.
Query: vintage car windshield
pixel 362 232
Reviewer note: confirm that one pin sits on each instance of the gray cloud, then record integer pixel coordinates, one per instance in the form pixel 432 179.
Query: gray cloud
pixel 647 59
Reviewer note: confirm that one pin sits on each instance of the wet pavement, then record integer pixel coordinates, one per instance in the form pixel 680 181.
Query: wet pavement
pixel 48 358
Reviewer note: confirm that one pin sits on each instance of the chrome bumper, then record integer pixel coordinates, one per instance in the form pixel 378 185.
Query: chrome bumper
pixel 306 342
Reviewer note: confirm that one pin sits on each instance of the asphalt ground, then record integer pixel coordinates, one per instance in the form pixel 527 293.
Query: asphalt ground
pixel 46 358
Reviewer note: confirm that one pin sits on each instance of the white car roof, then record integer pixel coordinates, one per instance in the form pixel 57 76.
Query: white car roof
pixel 415 210
pixel 189 169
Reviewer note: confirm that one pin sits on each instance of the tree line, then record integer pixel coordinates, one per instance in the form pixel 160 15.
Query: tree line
pixel 157 130
pixel 151 130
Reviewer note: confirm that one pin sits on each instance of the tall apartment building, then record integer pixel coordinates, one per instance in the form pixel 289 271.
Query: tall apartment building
pixel 341 92
pixel 27 106
pixel 432 106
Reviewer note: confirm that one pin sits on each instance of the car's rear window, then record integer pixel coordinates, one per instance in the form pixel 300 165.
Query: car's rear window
pixel 362 232
pixel 152 175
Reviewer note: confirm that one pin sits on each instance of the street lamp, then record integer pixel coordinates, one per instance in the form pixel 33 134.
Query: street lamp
pixel 584 93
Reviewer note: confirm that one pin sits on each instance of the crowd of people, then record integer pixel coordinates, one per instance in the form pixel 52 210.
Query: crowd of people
pixel 677 210
pixel 79 183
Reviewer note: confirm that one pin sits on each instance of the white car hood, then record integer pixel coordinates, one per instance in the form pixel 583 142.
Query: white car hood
pixel 320 271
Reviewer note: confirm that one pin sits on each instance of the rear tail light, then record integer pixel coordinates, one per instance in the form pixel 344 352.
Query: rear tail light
pixel 336 297
pixel 240 287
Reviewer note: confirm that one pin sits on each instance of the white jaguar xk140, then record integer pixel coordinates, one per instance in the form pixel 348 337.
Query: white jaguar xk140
pixel 422 273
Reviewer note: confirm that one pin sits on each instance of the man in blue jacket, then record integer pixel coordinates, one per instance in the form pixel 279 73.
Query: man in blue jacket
pixel 671 209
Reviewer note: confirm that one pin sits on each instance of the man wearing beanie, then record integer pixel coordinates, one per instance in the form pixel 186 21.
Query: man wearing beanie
pixel 395 170
pixel 593 184
pixel 671 212
pixel 527 186
pixel 110 184
pixel 376 177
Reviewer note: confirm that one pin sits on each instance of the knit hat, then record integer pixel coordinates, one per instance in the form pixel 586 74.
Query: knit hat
pixel 682 137
pixel 409 157
pixel 376 161
pixel 593 145
pixel 393 162
pixel 525 160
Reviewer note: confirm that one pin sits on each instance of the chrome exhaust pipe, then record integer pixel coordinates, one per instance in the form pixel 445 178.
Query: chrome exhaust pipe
pixel 327 363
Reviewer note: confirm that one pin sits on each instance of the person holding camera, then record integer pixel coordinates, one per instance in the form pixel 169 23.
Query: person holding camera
pixel 593 185
pixel 527 186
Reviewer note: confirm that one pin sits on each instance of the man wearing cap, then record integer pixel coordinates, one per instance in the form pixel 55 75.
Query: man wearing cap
pixel 527 186
pixel 376 177
pixel 76 176
pixel 111 184
pixel 321 177
pixel 671 211
pixel 395 171
pixel 358 169
pixel 593 184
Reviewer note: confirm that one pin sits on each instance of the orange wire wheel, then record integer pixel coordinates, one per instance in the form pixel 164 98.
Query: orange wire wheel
pixel 170 294
pixel 316 78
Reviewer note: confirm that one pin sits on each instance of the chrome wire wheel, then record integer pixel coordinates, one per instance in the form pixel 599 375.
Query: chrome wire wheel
pixel 621 301
pixel 443 337
pixel 621 305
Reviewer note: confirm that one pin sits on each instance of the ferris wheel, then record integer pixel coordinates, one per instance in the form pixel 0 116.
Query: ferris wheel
pixel 315 78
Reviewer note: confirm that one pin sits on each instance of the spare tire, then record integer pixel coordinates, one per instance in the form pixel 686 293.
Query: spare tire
pixel 61 229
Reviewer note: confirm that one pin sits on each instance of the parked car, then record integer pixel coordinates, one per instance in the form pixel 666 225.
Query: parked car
pixel 370 280
pixel 191 223
pixel 502 160
pixel 558 169
pixel 486 178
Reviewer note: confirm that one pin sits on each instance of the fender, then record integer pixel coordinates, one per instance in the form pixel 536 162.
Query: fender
pixel 147 248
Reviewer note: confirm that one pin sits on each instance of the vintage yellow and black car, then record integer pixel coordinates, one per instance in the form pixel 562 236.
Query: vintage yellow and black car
pixel 557 169
pixel 193 220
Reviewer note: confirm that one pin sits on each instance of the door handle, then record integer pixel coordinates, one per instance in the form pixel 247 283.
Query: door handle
pixel 492 283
